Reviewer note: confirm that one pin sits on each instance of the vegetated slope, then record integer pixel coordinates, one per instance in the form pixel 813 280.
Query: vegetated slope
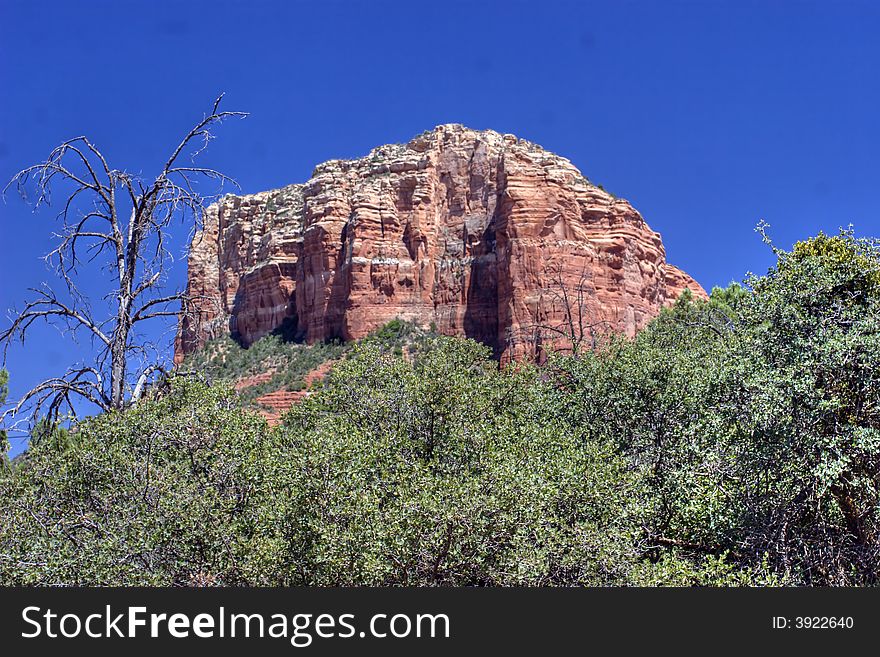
pixel 275 372
pixel 732 441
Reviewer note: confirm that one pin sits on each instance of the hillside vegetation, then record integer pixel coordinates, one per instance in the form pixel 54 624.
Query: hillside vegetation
pixel 732 442
pixel 277 362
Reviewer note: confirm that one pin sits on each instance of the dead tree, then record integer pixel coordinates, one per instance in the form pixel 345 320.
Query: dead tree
pixel 563 317
pixel 120 222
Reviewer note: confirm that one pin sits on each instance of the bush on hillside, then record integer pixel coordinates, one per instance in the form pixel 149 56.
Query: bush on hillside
pixel 732 442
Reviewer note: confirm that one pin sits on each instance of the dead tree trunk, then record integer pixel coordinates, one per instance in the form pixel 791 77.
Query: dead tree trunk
pixel 94 232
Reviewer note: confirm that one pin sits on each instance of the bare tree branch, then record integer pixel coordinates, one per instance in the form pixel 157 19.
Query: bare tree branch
pixel 563 317
pixel 116 219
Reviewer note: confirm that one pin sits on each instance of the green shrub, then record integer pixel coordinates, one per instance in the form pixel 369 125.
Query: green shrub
pixel 732 442
pixel 755 418
pixel 167 493
pixel 448 471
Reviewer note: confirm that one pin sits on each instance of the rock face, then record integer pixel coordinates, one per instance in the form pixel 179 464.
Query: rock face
pixel 479 234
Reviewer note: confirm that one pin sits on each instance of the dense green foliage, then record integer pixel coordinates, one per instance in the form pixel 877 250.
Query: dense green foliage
pixel 806 382
pixel 734 441
pixel 159 494
pixel 447 471
pixel 443 470
pixel 756 416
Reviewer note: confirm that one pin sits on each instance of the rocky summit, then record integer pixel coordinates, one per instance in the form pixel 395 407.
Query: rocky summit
pixel 473 233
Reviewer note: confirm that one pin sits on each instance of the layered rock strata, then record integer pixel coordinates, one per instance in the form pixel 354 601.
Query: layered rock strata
pixel 474 233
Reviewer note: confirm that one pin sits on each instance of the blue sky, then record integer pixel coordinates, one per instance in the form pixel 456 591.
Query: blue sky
pixel 707 116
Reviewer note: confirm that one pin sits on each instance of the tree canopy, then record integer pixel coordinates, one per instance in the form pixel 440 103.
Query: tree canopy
pixel 734 441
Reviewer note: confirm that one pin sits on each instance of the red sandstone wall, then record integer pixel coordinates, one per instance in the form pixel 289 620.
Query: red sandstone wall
pixel 480 234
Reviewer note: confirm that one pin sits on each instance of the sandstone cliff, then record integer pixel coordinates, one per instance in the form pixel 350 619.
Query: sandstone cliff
pixel 476 233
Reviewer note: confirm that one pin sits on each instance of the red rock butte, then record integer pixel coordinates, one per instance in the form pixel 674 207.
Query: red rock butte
pixel 473 233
